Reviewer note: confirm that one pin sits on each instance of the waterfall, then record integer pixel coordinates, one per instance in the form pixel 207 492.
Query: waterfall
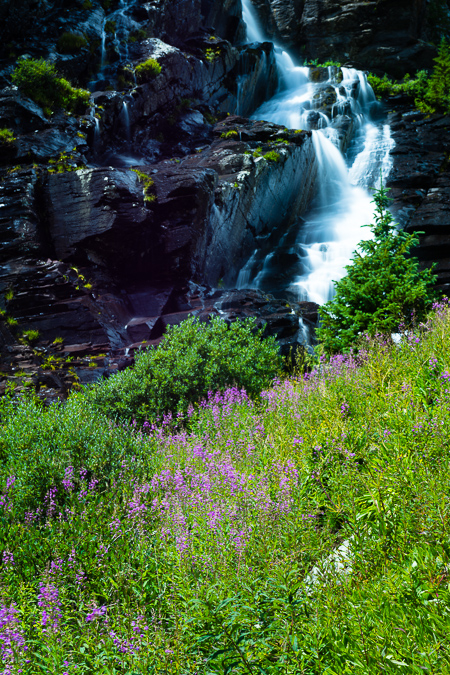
pixel 315 251
pixel 125 114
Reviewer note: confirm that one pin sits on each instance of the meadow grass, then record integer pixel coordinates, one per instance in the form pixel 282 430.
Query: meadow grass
pixel 305 531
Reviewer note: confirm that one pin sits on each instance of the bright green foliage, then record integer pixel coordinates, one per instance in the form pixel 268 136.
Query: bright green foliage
pixel 148 183
pixel 413 87
pixel 30 335
pixel 382 288
pixel 429 93
pixel 147 71
pixel 229 134
pixel 272 156
pixel 193 358
pixel 6 137
pixel 71 43
pixel 39 80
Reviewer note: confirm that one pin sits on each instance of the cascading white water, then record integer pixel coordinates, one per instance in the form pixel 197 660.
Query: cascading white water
pixel 120 25
pixel 324 241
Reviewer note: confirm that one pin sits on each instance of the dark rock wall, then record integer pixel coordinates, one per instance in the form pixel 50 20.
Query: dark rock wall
pixel 378 35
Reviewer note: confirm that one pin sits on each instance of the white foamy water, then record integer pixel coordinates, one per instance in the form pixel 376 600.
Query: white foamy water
pixel 322 243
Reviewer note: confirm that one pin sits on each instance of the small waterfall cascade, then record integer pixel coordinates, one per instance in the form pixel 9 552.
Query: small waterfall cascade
pixel 125 115
pixel 118 25
pixel 315 250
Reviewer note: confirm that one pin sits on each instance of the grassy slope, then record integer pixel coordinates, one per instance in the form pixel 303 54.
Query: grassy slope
pixel 209 549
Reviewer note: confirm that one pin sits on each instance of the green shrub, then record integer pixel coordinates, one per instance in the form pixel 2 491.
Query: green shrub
pixel 39 80
pixel 71 43
pixel 382 288
pixel 412 87
pixel 6 137
pixel 193 359
pixel 429 93
pixel 147 71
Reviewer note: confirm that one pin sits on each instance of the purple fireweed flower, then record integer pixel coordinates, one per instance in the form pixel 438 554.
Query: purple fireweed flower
pixel 12 641
pixel 8 559
pixel 48 601
pixel 50 502
pixel 5 498
pixel 97 613
pixel 68 481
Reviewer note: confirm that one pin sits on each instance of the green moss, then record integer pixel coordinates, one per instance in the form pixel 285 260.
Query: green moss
pixel 39 80
pixel 229 134
pixel 147 71
pixel 63 163
pixel 212 54
pixel 6 137
pixel 71 43
pixel 272 156
pixel 148 183
pixel 30 336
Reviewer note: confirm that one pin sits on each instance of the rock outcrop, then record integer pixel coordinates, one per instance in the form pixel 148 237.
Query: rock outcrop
pixel 420 184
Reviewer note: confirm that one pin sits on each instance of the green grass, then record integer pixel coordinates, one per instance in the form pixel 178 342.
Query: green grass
pixel 210 544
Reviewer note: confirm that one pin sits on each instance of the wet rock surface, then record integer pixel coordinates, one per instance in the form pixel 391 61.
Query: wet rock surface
pixel 420 183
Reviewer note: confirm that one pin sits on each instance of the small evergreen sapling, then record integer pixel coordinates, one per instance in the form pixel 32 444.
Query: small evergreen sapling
pixel 383 285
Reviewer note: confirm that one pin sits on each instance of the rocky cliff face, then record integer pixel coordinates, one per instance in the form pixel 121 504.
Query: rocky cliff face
pixel 389 36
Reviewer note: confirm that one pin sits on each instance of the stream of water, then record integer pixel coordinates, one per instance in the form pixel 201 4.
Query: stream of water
pixel 314 251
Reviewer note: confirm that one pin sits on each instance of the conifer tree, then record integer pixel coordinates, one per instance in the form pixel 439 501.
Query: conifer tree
pixel 437 95
pixel 383 286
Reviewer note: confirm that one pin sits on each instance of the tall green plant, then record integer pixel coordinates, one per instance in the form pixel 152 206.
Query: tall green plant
pixel 437 94
pixel 383 285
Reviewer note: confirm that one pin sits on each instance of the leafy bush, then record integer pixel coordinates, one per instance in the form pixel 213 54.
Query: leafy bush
pixel 383 286
pixel 39 80
pixel 6 137
pixel 147 71
pixel 193 359
pixel 411 87
pixel 71 43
